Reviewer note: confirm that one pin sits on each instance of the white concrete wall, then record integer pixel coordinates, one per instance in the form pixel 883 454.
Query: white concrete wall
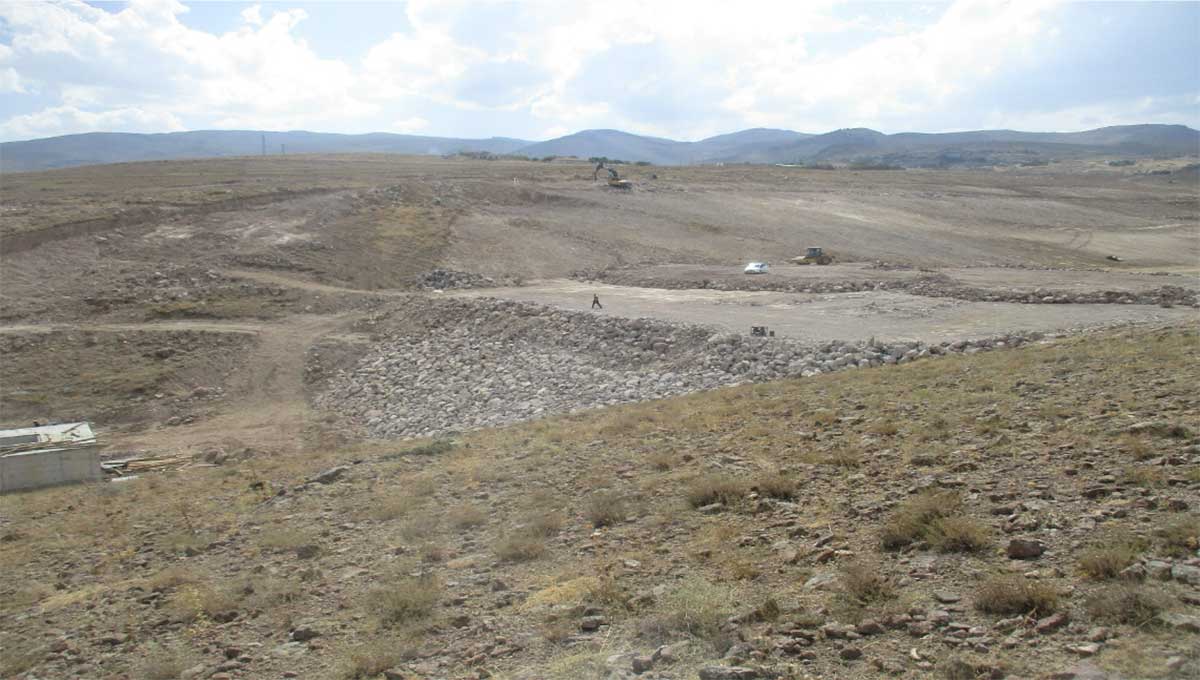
pixel 49 467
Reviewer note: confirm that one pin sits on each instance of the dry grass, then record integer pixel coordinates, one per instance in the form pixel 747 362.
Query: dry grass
pixel 543 524
pixel 521 546
pixel 1132 604
pixel 405 600
pixel 1181 536
pixel 862 587
pixel 1109 556
pixel 200 602
pixel 716 488
pixel 164 663
pixel 467 517
pixel 282 538
pixel 776 485
pixel 914 519
pixel 171 577
pixel 1138 448
pixel 696 607
pixel 845 458
pixel 661 460
pixel 19 657
pixel 959 534
pixel 1143 476
pixel 388 506
pixel 606 509
pixel 1013 595
pixel 421 527
pixel 884 428
pixel 372 658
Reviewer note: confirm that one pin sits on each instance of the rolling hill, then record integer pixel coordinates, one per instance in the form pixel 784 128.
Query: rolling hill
pixel 113 147
pixel 760 145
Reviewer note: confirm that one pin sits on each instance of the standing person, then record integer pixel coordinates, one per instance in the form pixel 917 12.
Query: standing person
pixel 596 301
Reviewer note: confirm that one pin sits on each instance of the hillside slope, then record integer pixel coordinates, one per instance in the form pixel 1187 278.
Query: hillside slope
pixel 112 147
pixel 759 145
pixel 999 515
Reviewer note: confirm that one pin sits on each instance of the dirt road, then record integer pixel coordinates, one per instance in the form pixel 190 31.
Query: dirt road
pixel 884 315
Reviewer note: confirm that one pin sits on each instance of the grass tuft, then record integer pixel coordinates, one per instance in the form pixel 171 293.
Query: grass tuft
pixel 1106 559
pixel 405 600
pixel 959 534
pixel 1180 537
pixel 914 519
pixel 1015 595
pixel 521 546
pixel 606 509
pixel 1133 604
pixel 780 486
pixel 715 488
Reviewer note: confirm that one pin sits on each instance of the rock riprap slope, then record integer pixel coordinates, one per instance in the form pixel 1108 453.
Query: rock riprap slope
pixel 448 365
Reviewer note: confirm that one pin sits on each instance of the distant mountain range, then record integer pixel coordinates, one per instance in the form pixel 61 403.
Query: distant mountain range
pixel 760 145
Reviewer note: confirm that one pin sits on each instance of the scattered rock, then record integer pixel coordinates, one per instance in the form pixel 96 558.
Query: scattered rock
pixel 1052 623
pixel 730 673
pixel 304 633
pixel 331 475
pixel 850 653
pixel 1180 621
pixel 1024 549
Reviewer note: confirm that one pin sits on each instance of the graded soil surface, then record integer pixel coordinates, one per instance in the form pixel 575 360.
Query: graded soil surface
pixel 883 315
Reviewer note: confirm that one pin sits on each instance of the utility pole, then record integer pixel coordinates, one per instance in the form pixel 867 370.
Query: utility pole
pixel 264 145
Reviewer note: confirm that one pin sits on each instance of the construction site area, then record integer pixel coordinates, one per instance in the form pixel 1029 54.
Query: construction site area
pixel 361 416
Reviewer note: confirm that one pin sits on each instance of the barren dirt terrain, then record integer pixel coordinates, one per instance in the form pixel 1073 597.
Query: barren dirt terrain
pixel 401 443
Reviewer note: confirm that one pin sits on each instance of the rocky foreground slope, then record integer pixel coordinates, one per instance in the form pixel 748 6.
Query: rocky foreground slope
pixel 1027 513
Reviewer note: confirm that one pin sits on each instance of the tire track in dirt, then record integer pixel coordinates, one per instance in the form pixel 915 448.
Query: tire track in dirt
pixel 273 278
pixel 161 326
pixel 267 406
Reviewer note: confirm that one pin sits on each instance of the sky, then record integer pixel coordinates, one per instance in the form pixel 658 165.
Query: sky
pixel 537 69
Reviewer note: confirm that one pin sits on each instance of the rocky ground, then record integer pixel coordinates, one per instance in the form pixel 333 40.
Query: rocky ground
pixel 452 365
pixel 1025 513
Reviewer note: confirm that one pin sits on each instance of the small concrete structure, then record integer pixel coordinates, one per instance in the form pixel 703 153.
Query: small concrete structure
pixel 32 457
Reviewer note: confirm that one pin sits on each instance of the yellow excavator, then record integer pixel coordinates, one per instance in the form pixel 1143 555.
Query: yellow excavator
pixel 614 180
pixel 813 256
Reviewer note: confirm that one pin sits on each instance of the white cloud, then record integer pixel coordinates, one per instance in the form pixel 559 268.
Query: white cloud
pixel 62 120
pixel 144 59
pixel 410 125
pixel 10 81
pixel 1168 110
pixel 676 68
pixel 253 15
